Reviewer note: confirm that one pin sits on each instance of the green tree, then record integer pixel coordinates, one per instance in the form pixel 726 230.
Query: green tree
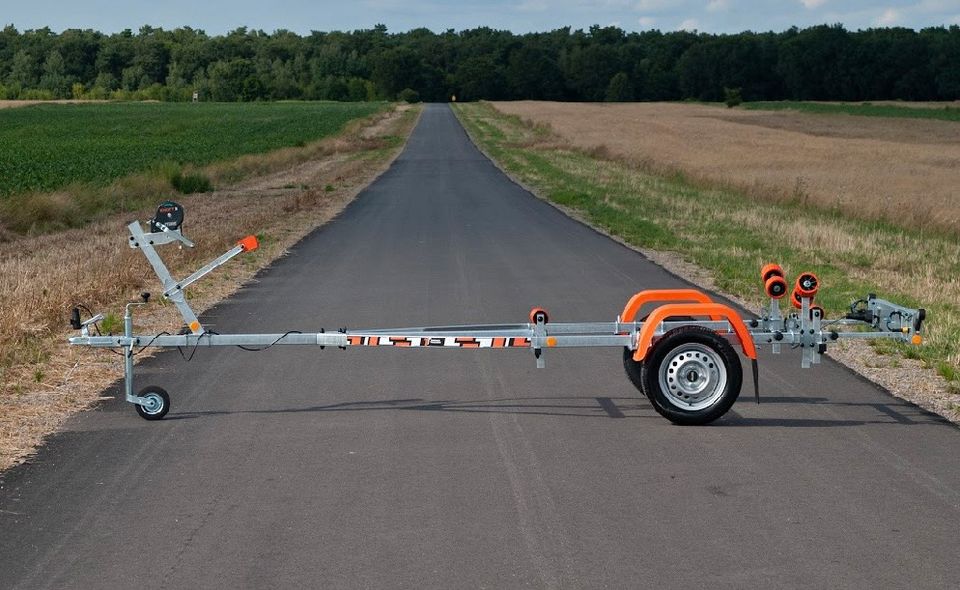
pixel 395 69
pixel 54 78
pixel 821 63
pixel 24 71
pixel 533 72
pixel 619 88
pixel 479 78
pixel 227 80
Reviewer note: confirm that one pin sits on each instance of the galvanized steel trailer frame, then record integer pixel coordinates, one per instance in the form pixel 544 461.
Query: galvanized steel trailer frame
pixel 690 384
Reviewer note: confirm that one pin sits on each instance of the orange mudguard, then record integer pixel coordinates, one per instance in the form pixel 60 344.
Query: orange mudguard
pixel 671 295
pixel 714 310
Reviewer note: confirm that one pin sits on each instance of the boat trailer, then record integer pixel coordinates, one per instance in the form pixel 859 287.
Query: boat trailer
pixel 681 354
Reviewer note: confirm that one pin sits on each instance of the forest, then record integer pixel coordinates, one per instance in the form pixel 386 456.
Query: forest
pixel 825 62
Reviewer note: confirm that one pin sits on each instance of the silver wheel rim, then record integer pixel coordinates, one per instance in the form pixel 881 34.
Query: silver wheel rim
pixel 153 404
pixel 693 377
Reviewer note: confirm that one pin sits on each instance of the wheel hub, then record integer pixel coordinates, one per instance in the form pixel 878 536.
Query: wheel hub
pixel 693 376
pixel 152 404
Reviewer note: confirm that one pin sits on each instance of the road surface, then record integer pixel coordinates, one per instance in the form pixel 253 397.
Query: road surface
pixel 381 468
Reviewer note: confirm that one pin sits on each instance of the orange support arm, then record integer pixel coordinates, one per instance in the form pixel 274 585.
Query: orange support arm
pixel 672 295
pixel 714 310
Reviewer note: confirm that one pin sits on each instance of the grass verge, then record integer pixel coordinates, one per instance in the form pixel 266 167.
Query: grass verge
pixel 285 195
pixel 866 109
pixel 731 235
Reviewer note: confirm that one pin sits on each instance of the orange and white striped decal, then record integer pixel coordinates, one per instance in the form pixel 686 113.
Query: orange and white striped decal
pixel 444 342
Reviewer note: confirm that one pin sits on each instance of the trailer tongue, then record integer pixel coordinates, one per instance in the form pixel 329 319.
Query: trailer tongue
pixel 681 355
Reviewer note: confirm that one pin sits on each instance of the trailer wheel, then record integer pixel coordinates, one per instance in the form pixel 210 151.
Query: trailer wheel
pixel 157 403
pixel 634 369
pixel 692 375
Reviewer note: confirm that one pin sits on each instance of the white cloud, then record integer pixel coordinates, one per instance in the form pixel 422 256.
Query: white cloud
pixel 718 5
pixel 890 16
pixel 690 24
pixel 810 4
pixel 646 22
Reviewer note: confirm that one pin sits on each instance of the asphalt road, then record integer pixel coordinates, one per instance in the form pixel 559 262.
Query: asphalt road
pixel 389 468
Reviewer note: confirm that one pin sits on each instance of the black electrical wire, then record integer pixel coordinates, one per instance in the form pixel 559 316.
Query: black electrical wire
pixel 241 347
pixel 890 318
pixel 180 349
pixel 195 346
pixel 152 340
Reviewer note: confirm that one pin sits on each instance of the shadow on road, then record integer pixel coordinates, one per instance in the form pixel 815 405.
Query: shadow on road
pixel 894 413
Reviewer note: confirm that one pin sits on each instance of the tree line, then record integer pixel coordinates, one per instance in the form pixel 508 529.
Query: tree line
pixel 600 64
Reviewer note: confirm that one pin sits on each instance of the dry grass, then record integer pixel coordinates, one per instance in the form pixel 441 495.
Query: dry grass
pixel 12 104
pixel 903 171
pixel 943 104
pixel 43 380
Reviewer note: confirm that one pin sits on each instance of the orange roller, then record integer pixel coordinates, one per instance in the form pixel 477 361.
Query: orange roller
pixel 538 311
pixel 817 307
pixel 796 296
pixel 775 287
pixel 807 284
pixel 770 270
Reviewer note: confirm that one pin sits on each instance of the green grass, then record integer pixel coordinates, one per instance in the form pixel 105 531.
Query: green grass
pixel 732 235
pixel 945 113
pixel 47 147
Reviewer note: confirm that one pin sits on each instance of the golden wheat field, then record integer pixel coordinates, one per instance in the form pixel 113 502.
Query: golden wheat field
pixel 906 171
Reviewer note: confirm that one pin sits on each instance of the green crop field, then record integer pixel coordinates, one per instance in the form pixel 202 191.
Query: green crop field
pixel 944 113
pixel 45 147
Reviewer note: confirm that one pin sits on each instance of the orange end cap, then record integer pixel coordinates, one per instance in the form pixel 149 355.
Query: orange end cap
pixel 917 340
pixel 249 243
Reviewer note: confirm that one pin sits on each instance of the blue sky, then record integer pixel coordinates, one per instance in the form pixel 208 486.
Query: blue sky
pixel 302 16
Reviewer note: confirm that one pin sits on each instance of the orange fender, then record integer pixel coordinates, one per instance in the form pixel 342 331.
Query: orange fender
pixel 714 310
pixel 672 295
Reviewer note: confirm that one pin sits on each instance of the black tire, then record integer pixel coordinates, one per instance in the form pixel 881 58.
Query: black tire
pixel 692 376
pixel 159 406
pixel 633 369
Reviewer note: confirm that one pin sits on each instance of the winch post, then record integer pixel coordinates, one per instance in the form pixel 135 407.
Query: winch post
pixel 141 240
